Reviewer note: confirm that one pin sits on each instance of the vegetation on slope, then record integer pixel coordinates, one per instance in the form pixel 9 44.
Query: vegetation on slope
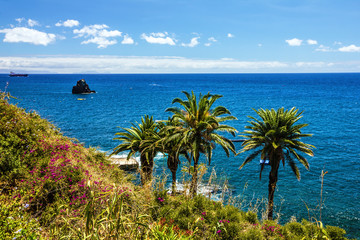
pixel 52 187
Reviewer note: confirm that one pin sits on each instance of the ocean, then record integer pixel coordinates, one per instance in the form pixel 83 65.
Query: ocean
pixel 331 105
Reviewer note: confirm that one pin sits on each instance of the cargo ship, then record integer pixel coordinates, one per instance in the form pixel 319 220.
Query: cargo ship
pixel 12 74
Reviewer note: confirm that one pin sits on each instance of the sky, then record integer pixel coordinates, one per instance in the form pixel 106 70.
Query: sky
pixel 179 36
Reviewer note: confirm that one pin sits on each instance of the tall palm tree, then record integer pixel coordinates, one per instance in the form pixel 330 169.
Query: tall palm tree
pixel 278 137
pixel 132 139
pixel 198 128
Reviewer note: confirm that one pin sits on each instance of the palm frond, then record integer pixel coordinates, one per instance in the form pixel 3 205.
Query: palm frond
pixel 293 166
pixel 300 158
pixel 250 158
pixel 275 130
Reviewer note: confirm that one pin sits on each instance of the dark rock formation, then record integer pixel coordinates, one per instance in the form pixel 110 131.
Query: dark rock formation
pixel 81 87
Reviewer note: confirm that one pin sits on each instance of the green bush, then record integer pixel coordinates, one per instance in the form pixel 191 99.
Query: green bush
pixel 296 229
pixel 20 133
pixel 335 233
pixel 316 230
pixel 166 231
pixel 251 217
pixel 252 234
pixel 16 222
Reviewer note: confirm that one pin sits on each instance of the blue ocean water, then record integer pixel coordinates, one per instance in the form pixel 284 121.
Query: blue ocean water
pixel 331 104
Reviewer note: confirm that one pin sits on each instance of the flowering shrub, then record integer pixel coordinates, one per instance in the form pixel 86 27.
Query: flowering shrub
pixel 161 197
pixel 271 230
pixel 52 174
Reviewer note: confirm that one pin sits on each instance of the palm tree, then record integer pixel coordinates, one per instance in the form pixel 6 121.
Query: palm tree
pixel 173 148
pixel 278 137
pixel 198 128
pixel 166 141
pixel 132 139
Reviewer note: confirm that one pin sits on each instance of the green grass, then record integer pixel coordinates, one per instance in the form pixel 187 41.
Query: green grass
pixel 52 187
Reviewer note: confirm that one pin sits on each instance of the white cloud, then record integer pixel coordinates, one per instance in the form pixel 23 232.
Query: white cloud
pixel 32 23
pixel 312 64
pixel 337 43
pixel 106 33
pixel 212 39
pixel 194 42
pixel 312 42
pixel 350 48
pixel 294 42
pixel 229 35
pixel 323 48
pixel 259 45
pixel 98 34
pixel 160 34
pixel 68 23
pixel 100 41
pixel 119 64
pixel 158 38
pixel 96 30
pixel 114 64
pixel 127 40
pixel 27 35
pixel 19 20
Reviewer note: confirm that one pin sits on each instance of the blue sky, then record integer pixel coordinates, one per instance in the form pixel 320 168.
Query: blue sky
pixel 179 36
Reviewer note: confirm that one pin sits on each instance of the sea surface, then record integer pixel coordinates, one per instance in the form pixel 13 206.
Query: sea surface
pixel 331 105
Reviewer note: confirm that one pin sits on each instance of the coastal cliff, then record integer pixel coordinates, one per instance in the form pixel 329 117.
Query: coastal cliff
pixel 53 187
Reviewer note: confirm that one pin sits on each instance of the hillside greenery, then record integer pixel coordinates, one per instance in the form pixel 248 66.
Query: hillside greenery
pixel 52 187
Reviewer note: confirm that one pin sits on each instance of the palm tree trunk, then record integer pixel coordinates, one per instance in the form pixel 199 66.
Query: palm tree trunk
pixel 147 165
pixel 273 178
pixel 173 166
pixel 194 183
pixel 173 186
pixel 272 187
pixel 193 186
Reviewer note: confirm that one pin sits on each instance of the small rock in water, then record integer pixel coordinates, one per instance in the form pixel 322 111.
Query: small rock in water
pixel 81 87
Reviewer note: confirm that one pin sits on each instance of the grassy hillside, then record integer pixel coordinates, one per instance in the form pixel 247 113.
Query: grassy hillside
pixel 52 187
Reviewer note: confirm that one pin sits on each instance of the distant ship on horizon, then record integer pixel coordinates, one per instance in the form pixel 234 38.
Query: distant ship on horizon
pixel 12 74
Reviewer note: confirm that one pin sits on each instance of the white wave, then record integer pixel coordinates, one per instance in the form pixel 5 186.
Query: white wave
pixel 214 191
pixel 136 157
pixel 155 85
pixel 160 156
